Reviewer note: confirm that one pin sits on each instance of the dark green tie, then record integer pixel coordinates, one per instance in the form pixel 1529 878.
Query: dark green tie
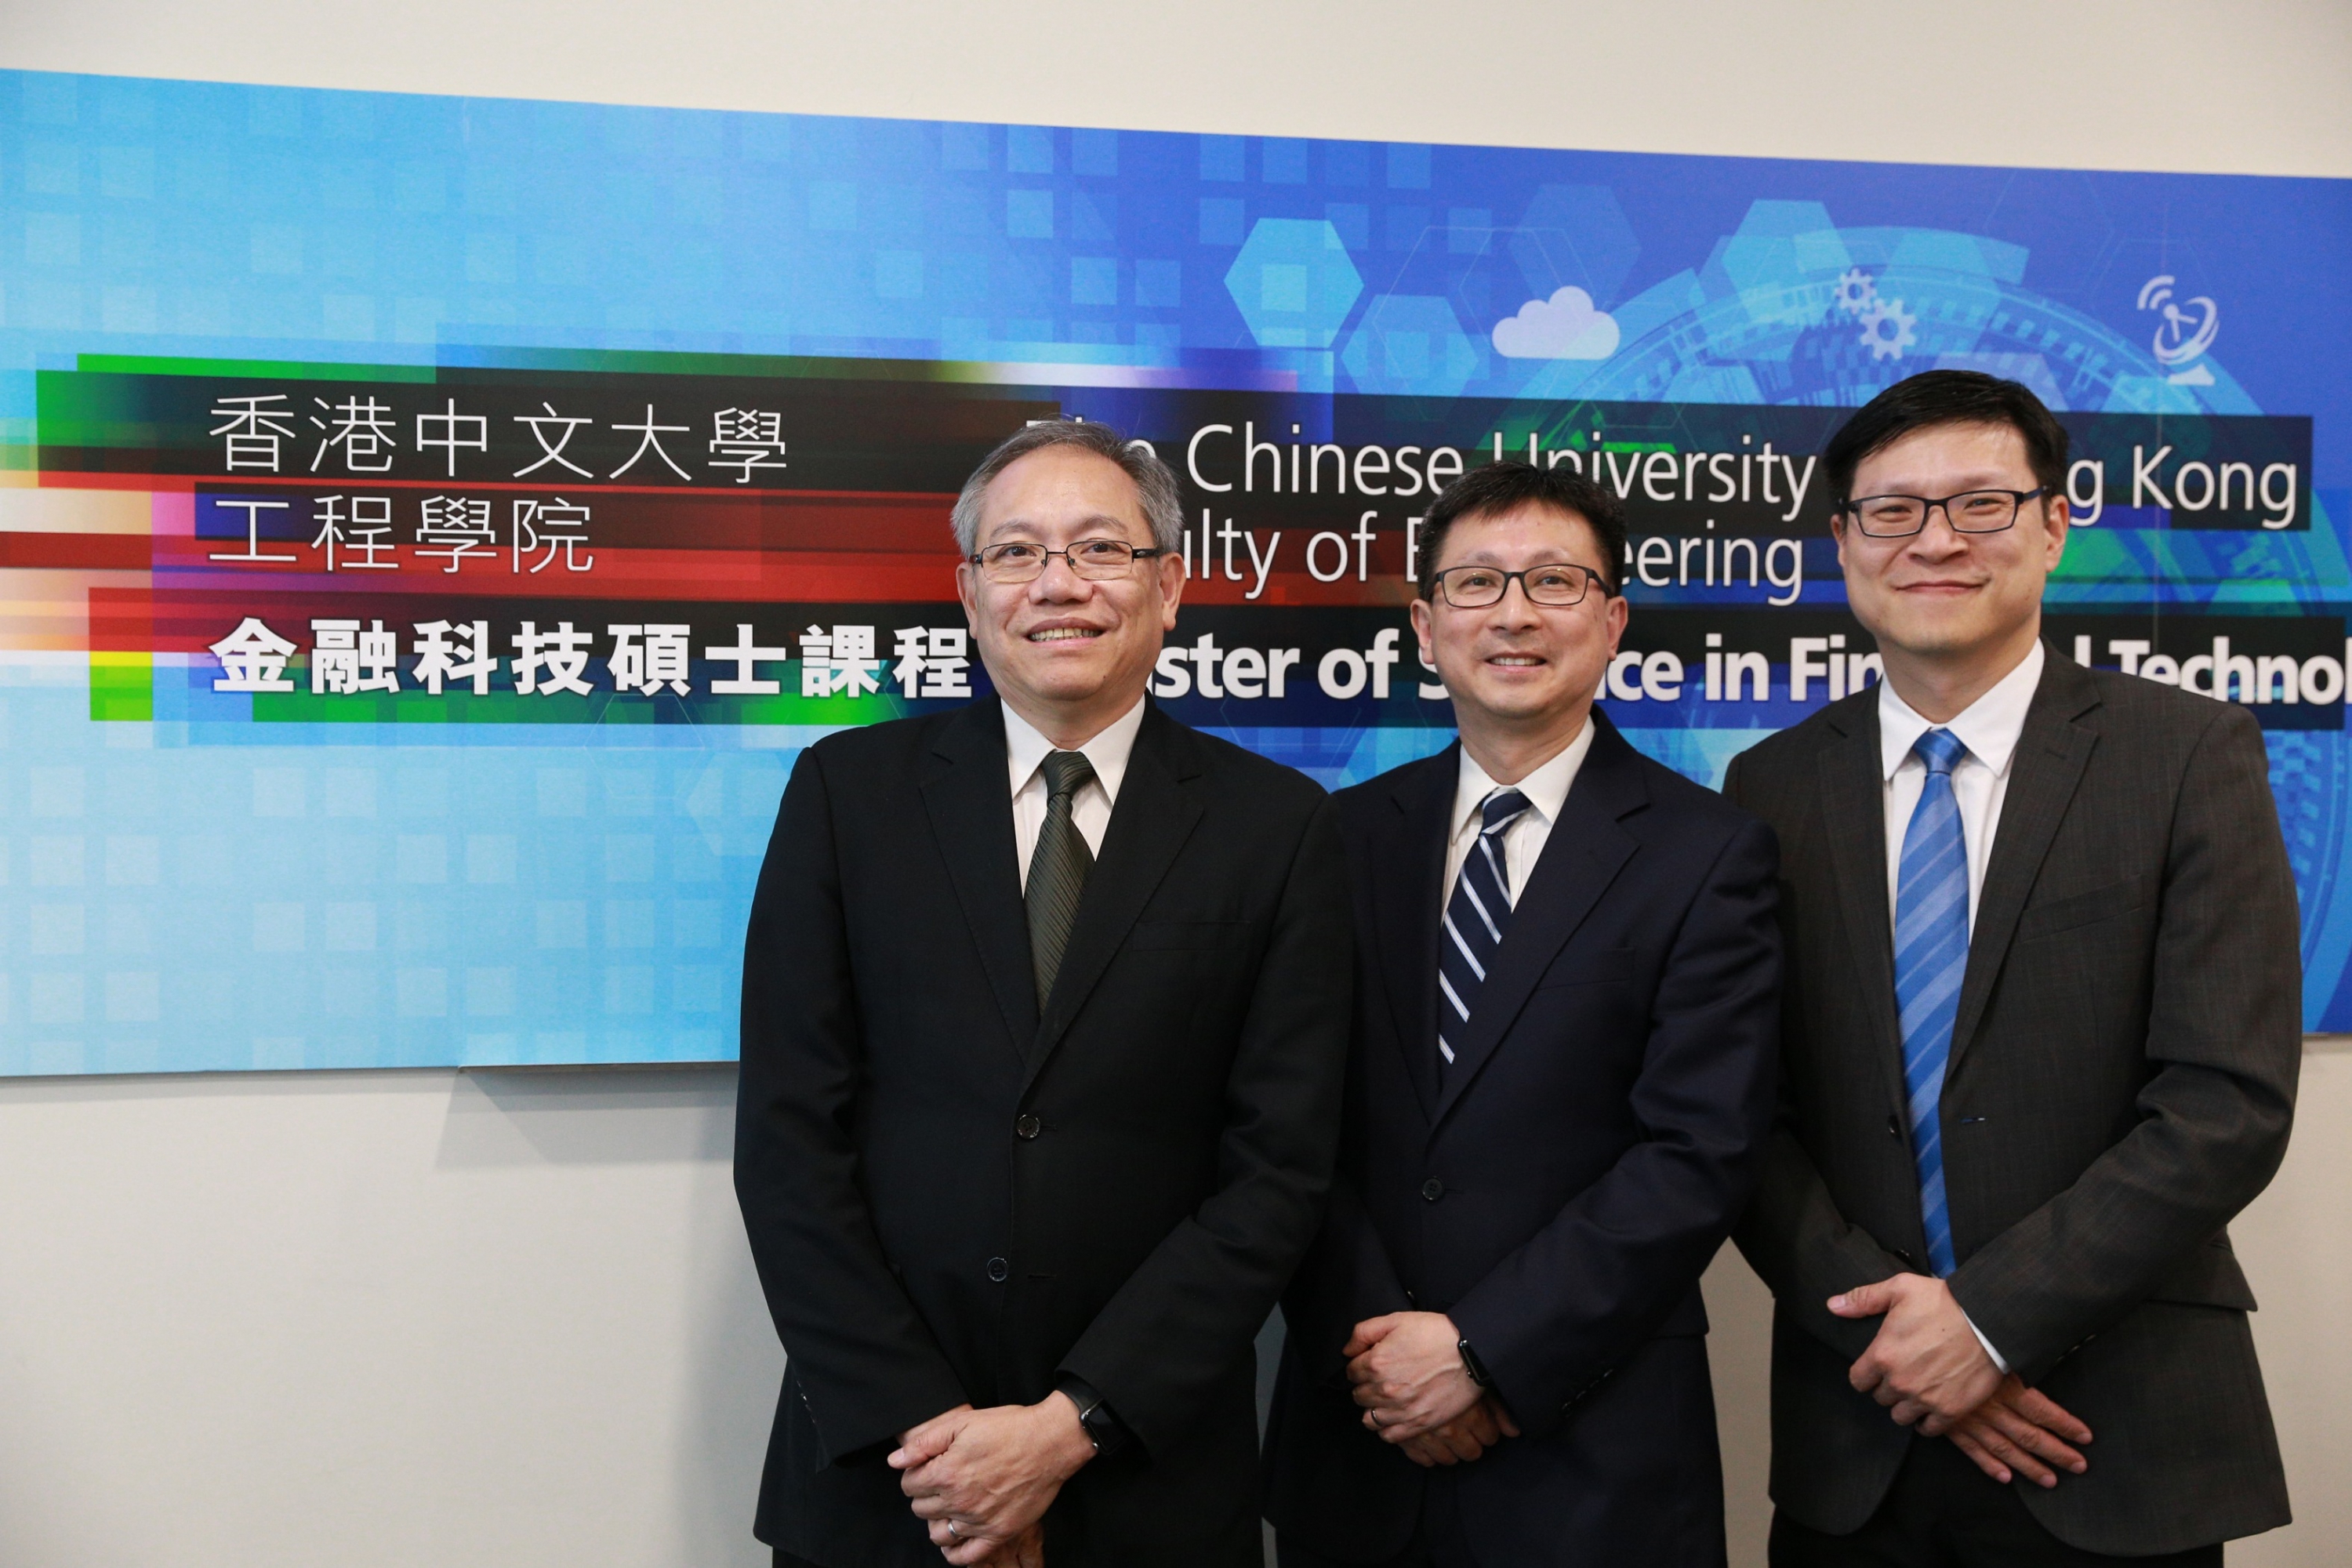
pixel 1058 869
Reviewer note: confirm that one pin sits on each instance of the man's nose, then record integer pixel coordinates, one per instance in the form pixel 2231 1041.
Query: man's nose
pixel 1059 581
pixel 1937 536
pixel 1514 608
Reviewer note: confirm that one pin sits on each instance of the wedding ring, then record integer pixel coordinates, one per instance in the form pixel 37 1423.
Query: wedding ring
pixel 953 1531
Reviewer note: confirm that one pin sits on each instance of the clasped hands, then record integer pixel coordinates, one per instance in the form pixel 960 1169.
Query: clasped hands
pixel 1407 1373
pixel 981 1480
pixel 1929 1369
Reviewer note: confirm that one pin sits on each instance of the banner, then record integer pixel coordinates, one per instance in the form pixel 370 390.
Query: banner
pixel 429 527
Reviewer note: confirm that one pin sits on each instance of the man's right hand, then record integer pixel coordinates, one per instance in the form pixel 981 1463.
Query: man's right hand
pixel 1464 1438
pixel 981 1479
pixel 1026 1549
pixel 2021 1431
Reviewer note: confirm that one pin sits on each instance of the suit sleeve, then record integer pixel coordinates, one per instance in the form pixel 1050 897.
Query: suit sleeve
pixel 1180 1323
pixel 1793 1235
pixel 1557 1314
pixel 1347 1277
pixel 862 1357
pixel 2224 1048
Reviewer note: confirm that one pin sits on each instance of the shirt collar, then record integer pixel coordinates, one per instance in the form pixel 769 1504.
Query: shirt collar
pixel 1546 788
pixel 1989 726
pixel 1026 749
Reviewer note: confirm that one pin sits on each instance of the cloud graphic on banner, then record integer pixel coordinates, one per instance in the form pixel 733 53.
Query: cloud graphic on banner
pixel 1565 326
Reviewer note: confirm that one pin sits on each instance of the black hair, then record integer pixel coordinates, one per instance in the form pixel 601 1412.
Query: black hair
pixel 1947 397
pixel 1493 487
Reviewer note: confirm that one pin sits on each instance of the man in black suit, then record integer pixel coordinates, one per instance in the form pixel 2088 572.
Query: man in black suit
pixel 1560 1079
pixel 1044 1014
pixel 2041 1040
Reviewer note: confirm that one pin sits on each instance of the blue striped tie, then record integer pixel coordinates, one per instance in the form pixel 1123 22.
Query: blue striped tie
pixel 1931 957
pixel 1474 919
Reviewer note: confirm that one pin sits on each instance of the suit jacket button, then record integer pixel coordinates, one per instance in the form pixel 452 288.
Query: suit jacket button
pixel 998 1269
pixel 1432 1189
pixel 1027 1126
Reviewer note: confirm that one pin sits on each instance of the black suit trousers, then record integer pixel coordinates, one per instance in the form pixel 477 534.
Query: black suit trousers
pixel 1437 1541
pixel 1943 1512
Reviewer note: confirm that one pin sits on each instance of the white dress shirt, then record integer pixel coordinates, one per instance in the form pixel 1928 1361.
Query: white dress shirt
pixel 1024 755
pixel 1523 841
pixel 1988 728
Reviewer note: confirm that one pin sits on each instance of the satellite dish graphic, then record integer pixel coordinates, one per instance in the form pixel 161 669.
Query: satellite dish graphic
pixel 2181 335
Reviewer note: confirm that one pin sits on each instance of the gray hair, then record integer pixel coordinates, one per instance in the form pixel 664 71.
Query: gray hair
pixel 1155 485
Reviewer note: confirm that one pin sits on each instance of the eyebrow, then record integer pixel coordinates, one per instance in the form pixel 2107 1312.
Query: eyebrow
pixel 1100 518
pixel 1473 559
pixel 1981 480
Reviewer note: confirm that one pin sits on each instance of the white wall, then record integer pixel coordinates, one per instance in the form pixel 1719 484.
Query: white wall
pixel 400 1319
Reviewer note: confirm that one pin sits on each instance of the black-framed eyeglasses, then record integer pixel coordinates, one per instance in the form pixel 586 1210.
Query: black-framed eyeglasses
pixel 1555 584
pixel 1968 511
pixel 1098 560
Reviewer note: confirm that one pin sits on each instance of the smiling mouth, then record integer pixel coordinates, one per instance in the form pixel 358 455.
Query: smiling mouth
pixel 1066 634
pixel 1516 660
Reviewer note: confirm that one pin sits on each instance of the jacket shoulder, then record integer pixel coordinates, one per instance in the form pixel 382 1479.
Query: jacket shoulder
pixel 2140 703
pixel 1266 783
pixel 1358 802
pixel 1796 746
pixel 895 744
pixel 1692 807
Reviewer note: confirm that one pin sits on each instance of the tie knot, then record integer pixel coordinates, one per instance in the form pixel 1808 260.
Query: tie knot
pixel 1940 750
pixel 1066 772
pixel 1501 809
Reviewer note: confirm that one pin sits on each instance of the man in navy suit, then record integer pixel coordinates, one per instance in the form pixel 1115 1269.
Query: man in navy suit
pixel 1560 1081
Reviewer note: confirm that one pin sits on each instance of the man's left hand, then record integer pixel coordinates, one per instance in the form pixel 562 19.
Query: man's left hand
pixel 1926 1365
pixel 1465 1437
pixel 1408 1373
pixel 981 1478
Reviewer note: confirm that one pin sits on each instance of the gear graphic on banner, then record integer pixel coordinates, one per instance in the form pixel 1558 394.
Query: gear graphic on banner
pixel 1855 292
pixel 1887 329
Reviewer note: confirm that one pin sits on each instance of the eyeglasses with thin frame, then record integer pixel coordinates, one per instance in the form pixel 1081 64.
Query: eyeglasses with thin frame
pixel 1096 560
pixel 1967 511
pixel 1555 584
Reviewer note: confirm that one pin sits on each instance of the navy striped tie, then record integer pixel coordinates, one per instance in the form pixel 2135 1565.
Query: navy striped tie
pixel 1476 917
pixel 1931 958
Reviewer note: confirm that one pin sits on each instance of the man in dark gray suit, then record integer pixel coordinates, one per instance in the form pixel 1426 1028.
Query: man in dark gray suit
pixel 2041 1045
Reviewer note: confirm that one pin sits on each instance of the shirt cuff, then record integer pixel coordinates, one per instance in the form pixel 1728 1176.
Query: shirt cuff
pixel 1996 1355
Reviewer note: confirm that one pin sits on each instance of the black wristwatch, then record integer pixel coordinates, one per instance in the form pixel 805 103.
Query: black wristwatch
pixel 1473 1365
pixel 1103 1427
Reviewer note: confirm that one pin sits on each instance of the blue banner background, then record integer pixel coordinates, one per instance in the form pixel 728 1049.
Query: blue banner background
pixel 175 895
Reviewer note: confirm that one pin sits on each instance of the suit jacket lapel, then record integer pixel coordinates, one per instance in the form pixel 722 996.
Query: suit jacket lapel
pixel 1586 850
pixel 1407 894
pixel 1159 805
pixel 1854 813
pixel 969 800
pixel 2052 751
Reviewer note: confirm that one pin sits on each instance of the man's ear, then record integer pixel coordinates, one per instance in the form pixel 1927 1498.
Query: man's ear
pixel 1618 614
pixel 2058 518
pixel 1173 574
